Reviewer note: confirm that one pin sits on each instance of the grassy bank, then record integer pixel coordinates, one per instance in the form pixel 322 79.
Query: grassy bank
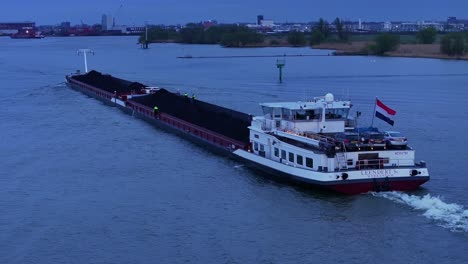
pixel 356 45
pixel 404 50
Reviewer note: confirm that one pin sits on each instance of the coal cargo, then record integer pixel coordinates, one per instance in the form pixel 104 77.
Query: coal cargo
pixel 109 83
pixel 227 122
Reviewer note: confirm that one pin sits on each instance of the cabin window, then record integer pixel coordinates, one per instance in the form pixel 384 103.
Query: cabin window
pixel 299 160
pixel 283 154
pixel 291 157
pixel 276 152
pixel 255 146
pixel 309 163
pixel 368 156
pixel 256 136
pixel 262 147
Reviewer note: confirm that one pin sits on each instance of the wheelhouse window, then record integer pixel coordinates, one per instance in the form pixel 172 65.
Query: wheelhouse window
pixel 277 112
pixel 299 160
pixel 300 115
pixel 276 151
pixel 287 115
pixel 283 154
pixel 267 111
pixel 309 163
pixel 336 113
pixel 291 157
pixel 307 114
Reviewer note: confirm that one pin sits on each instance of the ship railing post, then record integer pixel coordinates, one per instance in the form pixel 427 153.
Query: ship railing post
pixel 373 114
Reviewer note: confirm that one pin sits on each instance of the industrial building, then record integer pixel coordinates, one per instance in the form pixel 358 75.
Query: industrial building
pixel 9 28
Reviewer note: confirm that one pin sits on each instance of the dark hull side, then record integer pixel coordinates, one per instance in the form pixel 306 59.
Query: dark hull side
pixel 91 94
pixel 185 133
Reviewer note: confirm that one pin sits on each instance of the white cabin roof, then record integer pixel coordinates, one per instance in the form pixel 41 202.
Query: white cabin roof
pixel 315 104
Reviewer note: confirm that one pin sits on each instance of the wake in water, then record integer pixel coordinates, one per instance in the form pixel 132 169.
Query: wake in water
pixel 451 216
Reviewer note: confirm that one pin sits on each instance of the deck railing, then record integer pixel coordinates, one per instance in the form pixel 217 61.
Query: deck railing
pixel 382 163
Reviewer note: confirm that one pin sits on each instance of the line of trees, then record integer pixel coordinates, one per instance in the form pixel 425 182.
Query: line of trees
pixel 226 35
pixel 297 38
pixel 321 33
pixel 384 43
pixel 427 35
pixel 454 44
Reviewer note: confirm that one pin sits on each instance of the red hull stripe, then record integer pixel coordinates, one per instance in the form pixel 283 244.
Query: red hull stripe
pixel 386 108
pixel 363 187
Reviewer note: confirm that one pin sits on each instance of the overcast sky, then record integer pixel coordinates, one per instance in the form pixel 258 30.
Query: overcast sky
pixel 183 11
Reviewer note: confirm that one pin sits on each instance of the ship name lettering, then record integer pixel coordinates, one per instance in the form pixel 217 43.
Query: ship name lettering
pixel 378 173
pixel 401 153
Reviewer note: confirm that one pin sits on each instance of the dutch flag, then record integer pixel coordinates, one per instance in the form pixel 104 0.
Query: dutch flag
pixel 384 112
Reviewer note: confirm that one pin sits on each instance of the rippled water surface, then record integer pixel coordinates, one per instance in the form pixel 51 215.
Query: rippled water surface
pixel 81 182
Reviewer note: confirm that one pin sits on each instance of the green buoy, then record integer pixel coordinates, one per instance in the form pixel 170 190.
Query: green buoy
pixel 280 63
pixel 144 45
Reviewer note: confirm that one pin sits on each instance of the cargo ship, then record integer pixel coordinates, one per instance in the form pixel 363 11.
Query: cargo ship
pixel 294 141
pixel 27 33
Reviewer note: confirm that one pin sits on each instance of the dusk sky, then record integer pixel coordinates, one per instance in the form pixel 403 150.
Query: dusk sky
pixel 183 11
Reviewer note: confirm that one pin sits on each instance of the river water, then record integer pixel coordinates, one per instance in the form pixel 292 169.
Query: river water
pixel 81 182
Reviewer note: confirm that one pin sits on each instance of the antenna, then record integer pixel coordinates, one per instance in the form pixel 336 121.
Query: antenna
pixel 117 13
pixel 84 52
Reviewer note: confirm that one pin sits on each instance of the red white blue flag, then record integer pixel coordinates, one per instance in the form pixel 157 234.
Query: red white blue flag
pixel 384 112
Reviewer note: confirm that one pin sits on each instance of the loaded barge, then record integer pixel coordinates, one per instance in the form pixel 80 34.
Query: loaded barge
pixel 294 141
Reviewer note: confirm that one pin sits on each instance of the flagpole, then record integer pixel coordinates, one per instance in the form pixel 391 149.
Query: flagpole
pixel 373 115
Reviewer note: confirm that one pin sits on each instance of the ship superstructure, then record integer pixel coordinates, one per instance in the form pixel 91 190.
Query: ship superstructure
pixel 297 140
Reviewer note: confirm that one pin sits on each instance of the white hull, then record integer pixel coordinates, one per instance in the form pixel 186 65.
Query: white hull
pixel 357 181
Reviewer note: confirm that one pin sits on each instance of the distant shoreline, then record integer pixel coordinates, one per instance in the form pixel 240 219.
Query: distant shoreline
pixel 359 48
pixel 355 48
